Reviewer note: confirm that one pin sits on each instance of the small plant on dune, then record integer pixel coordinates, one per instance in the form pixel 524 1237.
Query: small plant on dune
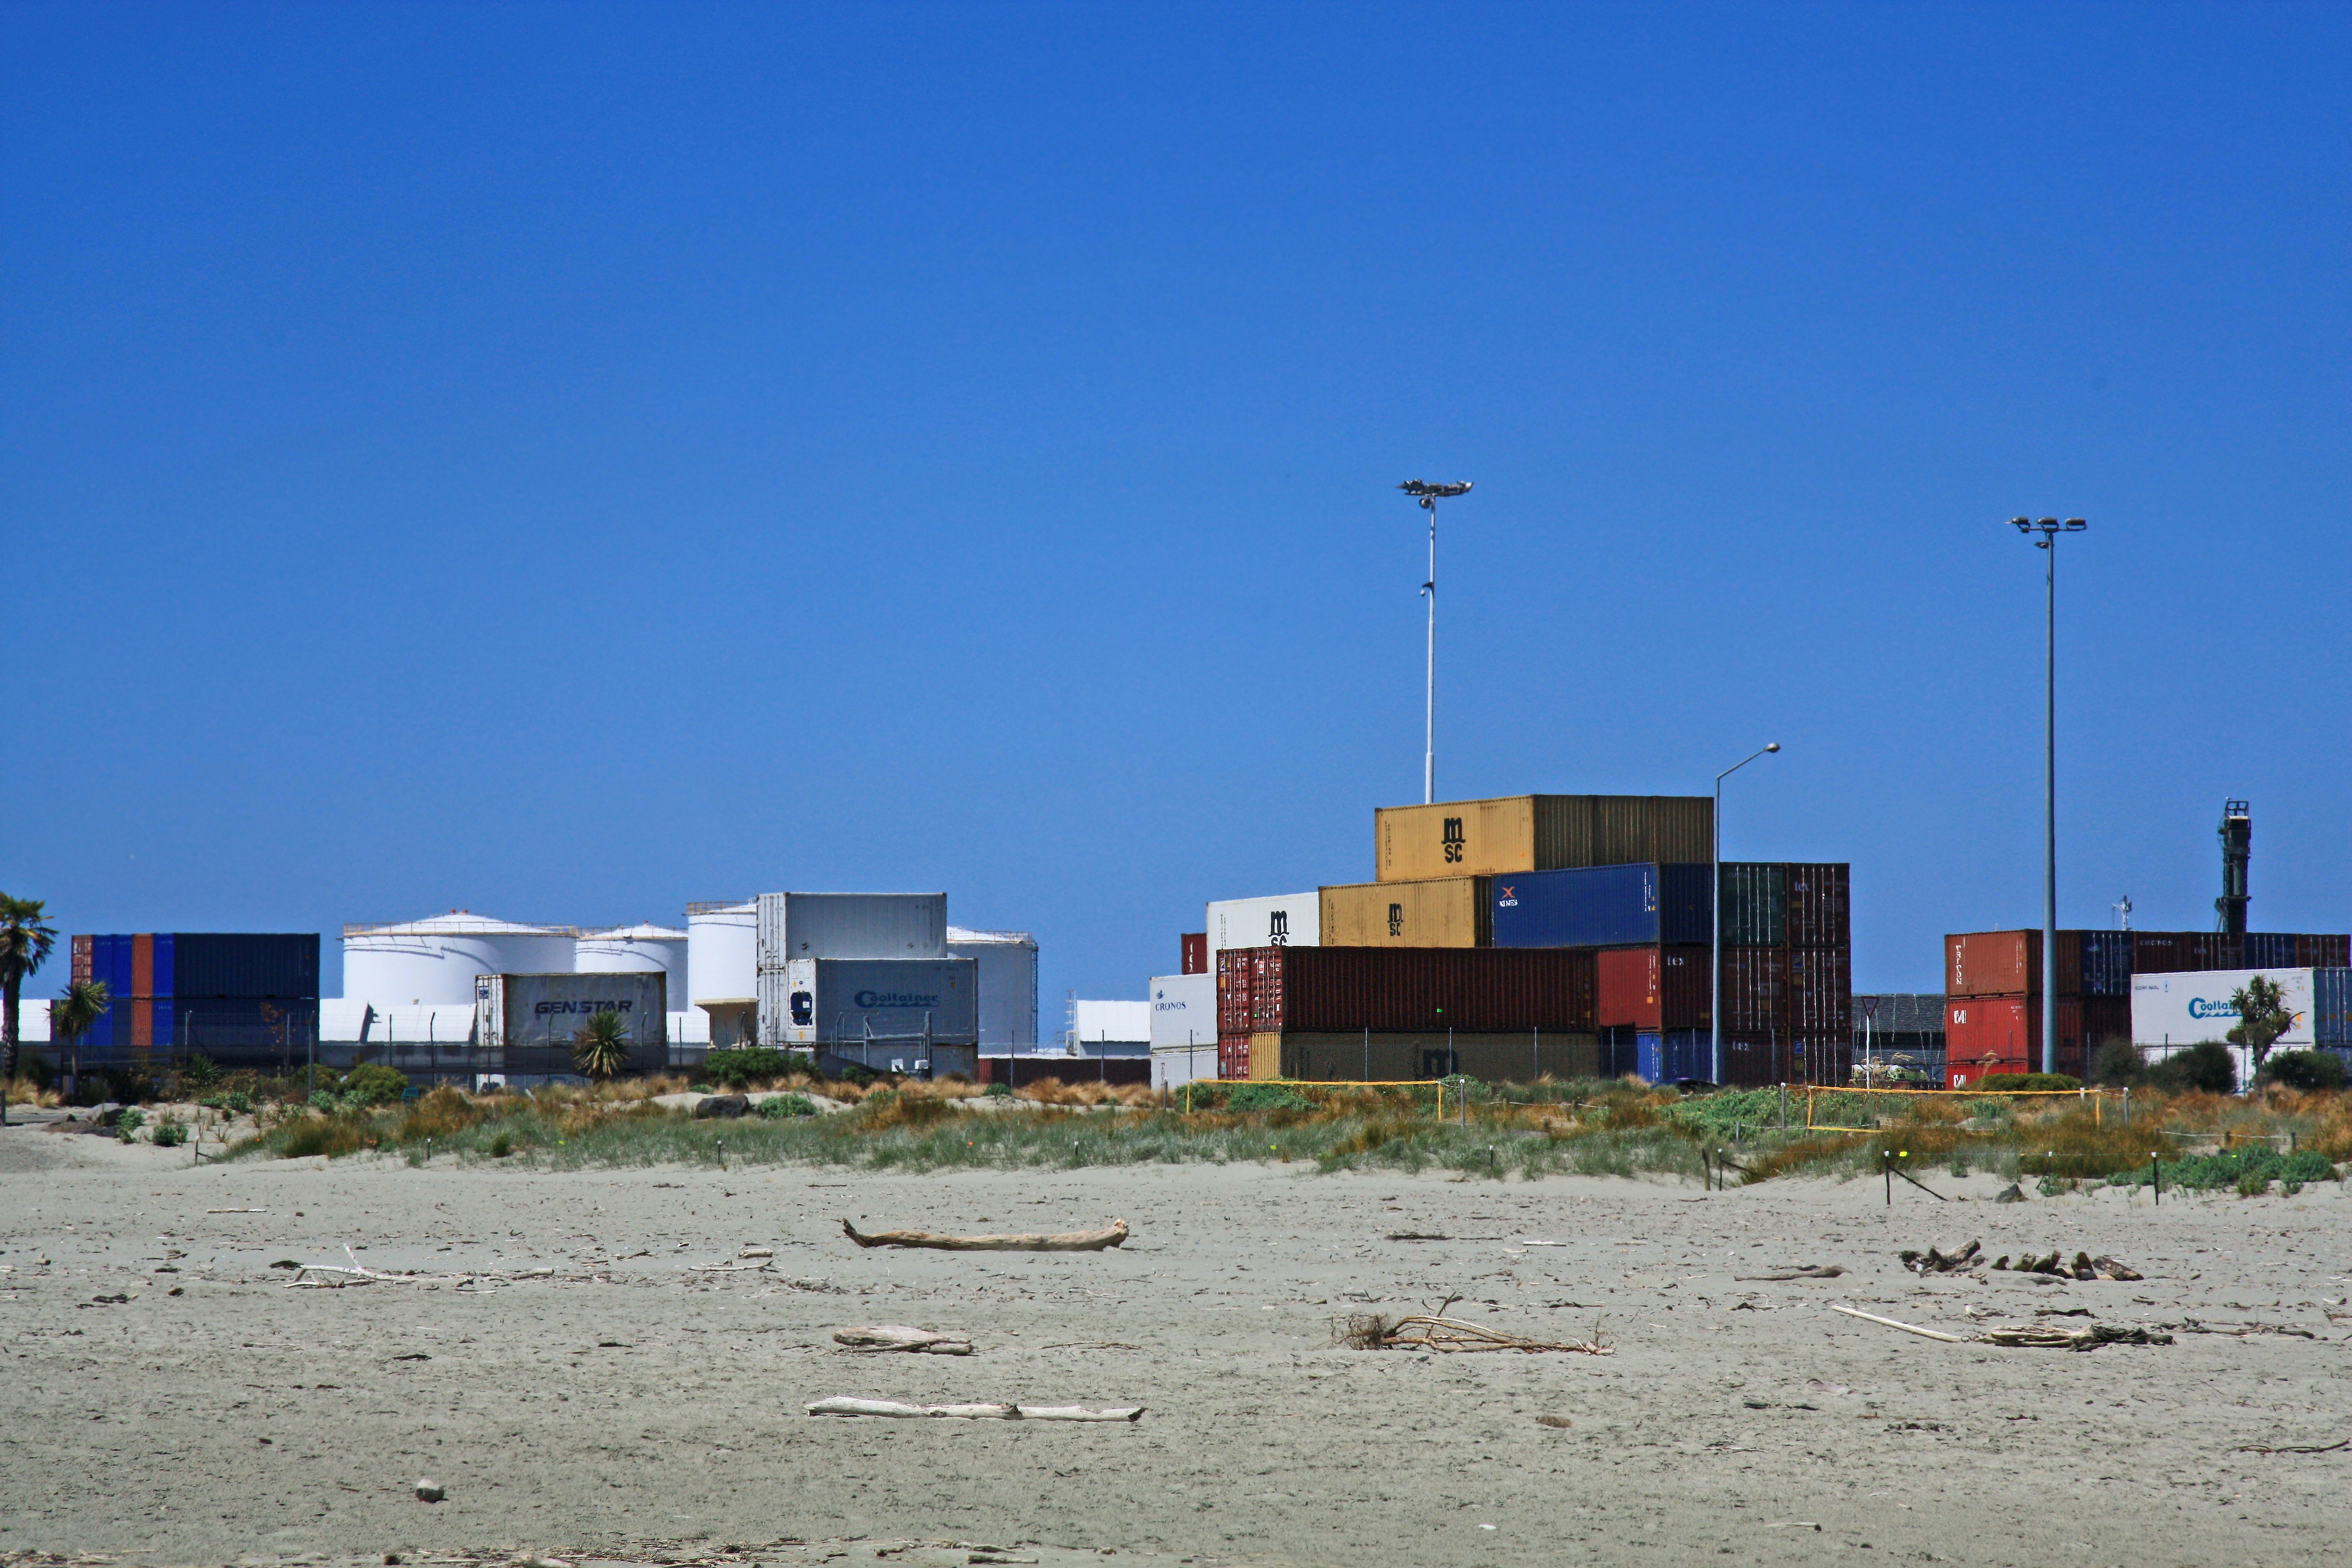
pixel 127 1125
pixel 2253 1185
pixel 170 1133
pixel 501 1145
pixel 600 1048
pixel 372 1083
pixel 998 1091
pixel 784 1105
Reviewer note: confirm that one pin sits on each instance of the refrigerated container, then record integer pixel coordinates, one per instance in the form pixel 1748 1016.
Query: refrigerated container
pixel 852 1001
pixel 548 1011
pixel 1450 911
pixel 1184 1012
pixel 2187 1007
pixel 1537 832
pixel 1280 920
pixel 2331 1006
pixel 798 927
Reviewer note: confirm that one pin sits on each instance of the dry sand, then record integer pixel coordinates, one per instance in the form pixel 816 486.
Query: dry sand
pixel 633 1399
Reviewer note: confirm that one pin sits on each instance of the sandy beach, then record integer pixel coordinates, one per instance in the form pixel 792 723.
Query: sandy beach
pixel 643 1398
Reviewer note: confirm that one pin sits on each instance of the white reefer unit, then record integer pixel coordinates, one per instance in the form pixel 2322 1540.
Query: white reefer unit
pixel 886 1014
pixel 1111 1023
pixel 796 926
pixel 635 950
pixel 1290 920
pixel 1008 986
pixel 2188 1008
pixel 433 961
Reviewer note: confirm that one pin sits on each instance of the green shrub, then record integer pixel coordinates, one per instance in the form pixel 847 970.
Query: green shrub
pixel 996 1091
pixel 372 1083
pixel 784 1105
pixel 127 1124
pixel 2020 1082
pixel 2207 1067
pixel 2256 1163
pixel 738 1068
pixel 501 1146
pixel 171 1134
pixel 2305 1069
pixel 201 1070
pixel 1266 1097
pixel 2118 1062
pixel 2252 1185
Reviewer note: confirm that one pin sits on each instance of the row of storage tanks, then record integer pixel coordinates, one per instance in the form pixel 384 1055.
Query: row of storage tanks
pixel 1530 934
pixel 2162 990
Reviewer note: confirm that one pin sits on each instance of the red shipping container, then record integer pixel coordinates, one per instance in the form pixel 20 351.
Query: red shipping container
pixel 2008 963
pixel 1193 953
pixel 1403 989
pixel 1819 905
pixel 1986 1035
pixel 81 961
pixel 143 971
pixel 1756 989
pixel 2314 951
pixel 1653 988
pixel 142 1023
pixel 1821 991
pixel 1232 1058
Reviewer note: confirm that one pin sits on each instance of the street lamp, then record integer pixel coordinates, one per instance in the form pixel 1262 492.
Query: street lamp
pixel 1429 495
pixel 2049 527
pixel 1715 1010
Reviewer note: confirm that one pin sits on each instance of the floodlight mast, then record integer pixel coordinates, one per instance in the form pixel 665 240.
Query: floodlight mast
pixel 2049 527
pixel 1429 495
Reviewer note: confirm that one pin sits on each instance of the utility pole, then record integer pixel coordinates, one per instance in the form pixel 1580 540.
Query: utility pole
pixel 2050 528
pixel 1429 495
pixel 1714 1010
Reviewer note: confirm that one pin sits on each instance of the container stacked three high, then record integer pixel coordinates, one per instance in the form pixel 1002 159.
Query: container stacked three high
pixel 1568 935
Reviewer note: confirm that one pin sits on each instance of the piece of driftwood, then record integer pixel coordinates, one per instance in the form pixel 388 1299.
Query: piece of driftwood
pixel 1801 1271
pixel 2026 1336
pixel 1907 1328
pixel 2084 1266
pixel 841 1406
pixel 1437 1332
pixel 1934 1261
pixel 1066 1241
pixel 898 1337
pixel 2299 1448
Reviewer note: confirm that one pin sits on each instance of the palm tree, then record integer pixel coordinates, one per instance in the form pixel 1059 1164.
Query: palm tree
pixel 86 1002
pixel 600 1048
pixel 25 938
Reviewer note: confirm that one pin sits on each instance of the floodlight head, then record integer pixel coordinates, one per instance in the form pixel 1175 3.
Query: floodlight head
pixel 2075 525
pixel 1423 491
pixel 1772 746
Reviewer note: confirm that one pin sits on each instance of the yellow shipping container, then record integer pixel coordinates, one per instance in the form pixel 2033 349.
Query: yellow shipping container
pixel 1265 1056
pixel 1451 912
pixel 1538 833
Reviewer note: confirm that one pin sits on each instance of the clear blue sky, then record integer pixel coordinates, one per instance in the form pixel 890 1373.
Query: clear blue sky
pixel 568 461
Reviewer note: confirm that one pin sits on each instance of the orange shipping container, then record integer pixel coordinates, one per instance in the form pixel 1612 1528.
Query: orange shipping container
pixel 1538 833
pixel 1452 911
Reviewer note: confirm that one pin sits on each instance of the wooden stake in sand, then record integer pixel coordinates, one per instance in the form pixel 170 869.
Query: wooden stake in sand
pixel 1066 1241
pixel 839 1406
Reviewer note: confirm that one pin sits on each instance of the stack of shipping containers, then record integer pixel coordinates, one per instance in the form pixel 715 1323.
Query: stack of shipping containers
pixel 1993 986
pixel 1602 905
pixel 243 999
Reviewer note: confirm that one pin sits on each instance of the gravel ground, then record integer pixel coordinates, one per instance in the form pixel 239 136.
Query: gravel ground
pixel 599 1372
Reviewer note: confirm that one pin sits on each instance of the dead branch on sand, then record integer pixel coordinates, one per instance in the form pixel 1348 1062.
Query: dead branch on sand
pixel 2036 1336
pixel 898 1337
pixel 839 1406
pixel 1437 1332
pixel 1066 1241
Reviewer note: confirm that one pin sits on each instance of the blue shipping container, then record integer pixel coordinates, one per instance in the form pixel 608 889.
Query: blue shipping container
pixel 1672 1056
pixel 2107 962
pixel 164 967
pixel 2331 1008
pixel 1603 906
pixel 2266 950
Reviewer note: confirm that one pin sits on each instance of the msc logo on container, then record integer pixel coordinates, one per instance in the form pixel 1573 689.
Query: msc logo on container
pixel 1453 840
pixel 895 999
pixel 1396 920
pixel 1277 929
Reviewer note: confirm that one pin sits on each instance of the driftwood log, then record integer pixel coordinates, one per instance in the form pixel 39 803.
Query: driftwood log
pixel 976 1412
pixel 2036 1336
pixel 1066 1241
pixel 898 1337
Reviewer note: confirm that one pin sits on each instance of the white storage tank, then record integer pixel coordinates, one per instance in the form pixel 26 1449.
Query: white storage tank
pixel 722 948
pixel 433 961
pixel 632 949
pixel 797 926
pixel 1008 985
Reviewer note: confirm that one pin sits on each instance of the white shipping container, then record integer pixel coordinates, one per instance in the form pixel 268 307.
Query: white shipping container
pixel 2170 1012
pixel 1173 1066
pixel 1183 1011
pixel 1096 1023
pixel 799 926
pixel 548 1009
pixel 1289 920
pixel 1008 985
pixel 822 1001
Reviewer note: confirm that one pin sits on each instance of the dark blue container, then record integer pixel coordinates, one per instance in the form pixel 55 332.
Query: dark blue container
pixel 2268 950
pixel 2107 962
pixel 163 968
pixel 1672 1056
pixel 1755 904
pixel 2331 1008
pixel 244 964
pixel 1603 906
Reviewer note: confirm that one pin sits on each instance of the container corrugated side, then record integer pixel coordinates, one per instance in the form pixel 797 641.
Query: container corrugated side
pixel 2168 952
pixel 1452 911
pixel 1193 950
pixel 1542 832
pixel 1820 904
pixel 1603 906
pixel 245 964
pixel 2331 1006
pixel 1754 988
pixel 1653 988
pixel 2315 950
pixel 1820 990
pixel 1755 903
pixel 1389 989
pixel 851 925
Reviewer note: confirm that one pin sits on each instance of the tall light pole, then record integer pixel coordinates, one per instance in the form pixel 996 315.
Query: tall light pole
pixel 2049 527
pixel 1715 1008
pixel 1429 495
